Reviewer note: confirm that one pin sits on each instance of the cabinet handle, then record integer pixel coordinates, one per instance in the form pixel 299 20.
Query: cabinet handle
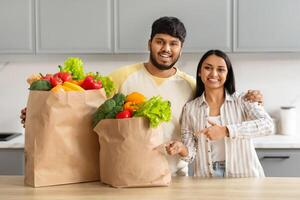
pixel 276 157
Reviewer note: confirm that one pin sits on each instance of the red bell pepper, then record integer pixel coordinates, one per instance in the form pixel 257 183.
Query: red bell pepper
pixel 64 76
pixel 54 80
pixel 47 77
pixel 89 83
pixel 124 114
pixel 57 78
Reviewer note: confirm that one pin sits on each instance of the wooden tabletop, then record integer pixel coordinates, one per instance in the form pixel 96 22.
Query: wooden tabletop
pixel 12 188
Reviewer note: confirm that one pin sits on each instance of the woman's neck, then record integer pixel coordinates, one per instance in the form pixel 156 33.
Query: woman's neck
pixel 215 99
pixel 215 96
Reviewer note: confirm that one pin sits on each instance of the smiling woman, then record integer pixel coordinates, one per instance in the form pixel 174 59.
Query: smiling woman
pixel 217 126
pixel 214 72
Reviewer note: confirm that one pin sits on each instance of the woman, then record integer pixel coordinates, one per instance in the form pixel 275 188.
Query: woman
pixel 218 125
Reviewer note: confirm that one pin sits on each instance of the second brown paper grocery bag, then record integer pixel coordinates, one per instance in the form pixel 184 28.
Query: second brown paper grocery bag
pixel 128 157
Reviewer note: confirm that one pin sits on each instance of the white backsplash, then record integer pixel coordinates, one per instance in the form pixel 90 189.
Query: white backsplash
pixel 276 75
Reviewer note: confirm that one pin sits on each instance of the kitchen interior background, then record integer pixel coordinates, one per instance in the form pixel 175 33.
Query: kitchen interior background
pixel 276 75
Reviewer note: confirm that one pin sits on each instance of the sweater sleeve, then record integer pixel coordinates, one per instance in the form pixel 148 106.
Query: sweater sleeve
pixel 187 135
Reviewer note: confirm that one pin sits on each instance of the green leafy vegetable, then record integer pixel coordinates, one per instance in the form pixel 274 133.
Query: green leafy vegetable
pixel 75 67
pixel 40 85
pixel 156 110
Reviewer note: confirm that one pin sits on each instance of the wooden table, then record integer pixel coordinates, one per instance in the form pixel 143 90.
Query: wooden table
pixel 12 188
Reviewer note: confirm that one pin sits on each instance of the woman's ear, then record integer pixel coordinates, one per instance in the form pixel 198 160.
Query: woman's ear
pixel 199 74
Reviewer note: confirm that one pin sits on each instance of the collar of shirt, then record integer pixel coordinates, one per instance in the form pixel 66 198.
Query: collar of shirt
pixel 202 100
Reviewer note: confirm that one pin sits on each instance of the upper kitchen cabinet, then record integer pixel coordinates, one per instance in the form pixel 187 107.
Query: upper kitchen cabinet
pixel 74 26
pixel 16 26
pixel 208 23
pixel 266 25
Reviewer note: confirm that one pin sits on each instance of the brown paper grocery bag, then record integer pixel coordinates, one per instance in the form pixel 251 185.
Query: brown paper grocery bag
pixel 60 145
pixel 128 157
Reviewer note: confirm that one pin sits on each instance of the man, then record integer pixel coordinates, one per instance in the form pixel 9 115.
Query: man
pixel 159 76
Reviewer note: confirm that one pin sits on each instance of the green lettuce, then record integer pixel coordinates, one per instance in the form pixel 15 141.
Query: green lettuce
pixel 156 110
pixel 75 67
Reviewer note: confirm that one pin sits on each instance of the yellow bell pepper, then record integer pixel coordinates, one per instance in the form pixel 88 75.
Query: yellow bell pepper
pixel 60 88
pixel 72 86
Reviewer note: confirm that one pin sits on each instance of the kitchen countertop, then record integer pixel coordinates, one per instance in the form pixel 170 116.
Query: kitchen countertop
pixel 277 142
pixel 267 142
pixel 12 187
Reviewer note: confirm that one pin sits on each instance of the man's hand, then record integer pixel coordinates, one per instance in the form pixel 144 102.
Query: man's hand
pixel 214 132
pixel 176 147
pixel 23 116
pixel 254 96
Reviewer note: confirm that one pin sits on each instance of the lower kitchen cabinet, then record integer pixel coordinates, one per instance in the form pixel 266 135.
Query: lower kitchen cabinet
pixel 280 162
pixel 276 162
pixel 12 161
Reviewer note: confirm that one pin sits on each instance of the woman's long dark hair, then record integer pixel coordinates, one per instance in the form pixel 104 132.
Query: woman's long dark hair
pixel 229 83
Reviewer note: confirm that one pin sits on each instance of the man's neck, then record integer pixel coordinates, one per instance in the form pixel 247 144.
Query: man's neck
pixel 159 73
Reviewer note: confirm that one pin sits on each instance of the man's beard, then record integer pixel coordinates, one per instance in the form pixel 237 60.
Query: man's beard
pixel 161 66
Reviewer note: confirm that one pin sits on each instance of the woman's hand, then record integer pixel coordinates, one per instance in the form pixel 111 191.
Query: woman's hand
pixel 23 116
pixel 254 96
pixel 176 147
pixel 214 132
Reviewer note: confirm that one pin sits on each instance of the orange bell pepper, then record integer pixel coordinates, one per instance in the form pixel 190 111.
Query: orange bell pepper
pixel 130 106
pixel 135 97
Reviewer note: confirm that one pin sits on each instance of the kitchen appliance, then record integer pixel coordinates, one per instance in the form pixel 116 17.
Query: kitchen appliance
pixel 6 136
pixel 288 120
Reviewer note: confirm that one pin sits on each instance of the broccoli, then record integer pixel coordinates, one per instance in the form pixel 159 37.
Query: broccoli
pixel 108 105
pixel 98 116
pixel 109 108
pixel 119 98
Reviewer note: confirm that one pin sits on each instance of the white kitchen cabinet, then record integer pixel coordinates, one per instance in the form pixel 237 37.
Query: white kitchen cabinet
pixel 208 23
pixel 280 162
pixel 74 26
pixel 16 26
pixel 266 25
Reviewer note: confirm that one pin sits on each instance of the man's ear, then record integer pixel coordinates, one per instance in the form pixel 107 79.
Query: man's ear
pixel 149 45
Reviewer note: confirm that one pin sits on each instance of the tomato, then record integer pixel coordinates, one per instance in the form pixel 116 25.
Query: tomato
pixel 124 114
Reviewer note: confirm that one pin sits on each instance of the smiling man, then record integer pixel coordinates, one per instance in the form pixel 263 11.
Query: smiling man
pixel 159 76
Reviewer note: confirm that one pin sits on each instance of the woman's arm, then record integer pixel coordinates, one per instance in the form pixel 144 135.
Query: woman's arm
pixel 259 122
